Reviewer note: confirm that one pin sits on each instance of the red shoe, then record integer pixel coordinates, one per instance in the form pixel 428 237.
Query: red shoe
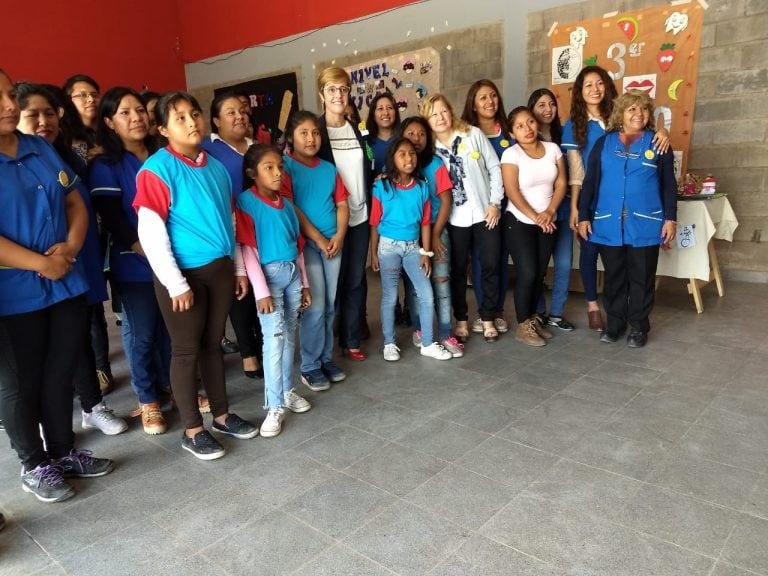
pixel 354 354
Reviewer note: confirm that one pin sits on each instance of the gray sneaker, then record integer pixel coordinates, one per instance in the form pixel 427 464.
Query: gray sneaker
pixel 81 464
pixel 47 483
pixel 295 403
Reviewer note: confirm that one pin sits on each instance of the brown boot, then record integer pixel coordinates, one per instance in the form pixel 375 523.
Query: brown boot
pixel 541 329
pixel 526 333
pixel 152 419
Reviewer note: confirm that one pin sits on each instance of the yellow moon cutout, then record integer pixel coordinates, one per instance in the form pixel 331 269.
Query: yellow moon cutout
pixel 672 90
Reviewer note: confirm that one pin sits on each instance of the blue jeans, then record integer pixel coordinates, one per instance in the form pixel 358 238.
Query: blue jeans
pixel 279 330
pixel 394 256
pixel 350 302
pixel 316 323
pixel 563 260
pixel 441 289
pixel 146 341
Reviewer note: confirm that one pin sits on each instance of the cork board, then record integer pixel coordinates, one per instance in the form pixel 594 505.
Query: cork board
pixel 655 50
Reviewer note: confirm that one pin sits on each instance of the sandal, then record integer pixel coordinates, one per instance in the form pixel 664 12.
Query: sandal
pixel 489 331
pixel 462 331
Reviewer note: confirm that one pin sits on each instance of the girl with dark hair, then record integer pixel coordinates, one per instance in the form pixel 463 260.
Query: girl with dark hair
pixel 383 123
pixel 123 132
pixel 184 204
pixel 42 307
pixel 268 229
pixel 320 199
pixel 416 129
pixel 543 103
pixel 401 238
pixel 228 142
pixel 592 99
pixel 40 116
pixel 484 108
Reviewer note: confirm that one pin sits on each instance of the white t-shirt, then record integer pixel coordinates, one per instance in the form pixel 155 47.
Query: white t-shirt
pixel 536 177
pixel 348 156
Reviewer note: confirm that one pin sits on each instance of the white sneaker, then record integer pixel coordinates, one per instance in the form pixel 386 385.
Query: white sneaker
pixel 273 423
pixel 102 418
pixel 295 403
pixel 417 338
pixel 477 326
pixel 391 352
pixel 453 346
pixel 436 351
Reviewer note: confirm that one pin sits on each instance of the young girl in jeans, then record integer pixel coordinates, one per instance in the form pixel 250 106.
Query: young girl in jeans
pixel 320 200
pixel 183 199
pixel 400 214
pixel 267 221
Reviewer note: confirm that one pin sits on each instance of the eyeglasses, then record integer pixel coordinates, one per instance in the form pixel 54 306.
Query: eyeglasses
pixel 85 95
pixel 333 90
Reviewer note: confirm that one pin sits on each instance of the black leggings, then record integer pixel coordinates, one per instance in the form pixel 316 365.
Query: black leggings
pixel 488 243
pixel 245 322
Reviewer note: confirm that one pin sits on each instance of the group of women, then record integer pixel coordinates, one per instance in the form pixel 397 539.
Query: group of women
pixel 205 227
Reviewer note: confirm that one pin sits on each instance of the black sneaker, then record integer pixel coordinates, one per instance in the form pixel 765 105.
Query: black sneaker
pixel 333 372
pixel 237 427
pixel 203 445
pixel 229 347
pixel 608 337
pixel 637 339
pixel 80 464
pixel 315 380
pixel 560 323
pixel 46 483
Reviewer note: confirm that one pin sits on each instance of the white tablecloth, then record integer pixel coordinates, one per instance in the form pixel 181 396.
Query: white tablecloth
pixel 709 218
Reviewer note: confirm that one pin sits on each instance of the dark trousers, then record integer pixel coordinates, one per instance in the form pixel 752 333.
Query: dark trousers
pixel 630 286
pixel 351 292
pixel 38 354
pixel 196 338
pixel 488 243
pixel 245 322
pixel 99 337
pixel 85 381
pixel 588 253
pixel 531 250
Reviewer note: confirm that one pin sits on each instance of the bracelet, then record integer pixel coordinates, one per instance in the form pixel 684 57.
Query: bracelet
pixel 425 253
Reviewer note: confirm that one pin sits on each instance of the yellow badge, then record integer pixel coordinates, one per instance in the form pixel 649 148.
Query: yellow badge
pixel 649 154
pixel 362 126
pixel 63 178
pixel 461 147
pixel 504 143
pixel 475 155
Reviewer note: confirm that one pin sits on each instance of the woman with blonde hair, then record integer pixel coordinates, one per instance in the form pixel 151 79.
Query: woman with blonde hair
pixel 474 169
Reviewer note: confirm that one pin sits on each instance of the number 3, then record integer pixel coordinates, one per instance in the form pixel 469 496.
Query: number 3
pixel 621 50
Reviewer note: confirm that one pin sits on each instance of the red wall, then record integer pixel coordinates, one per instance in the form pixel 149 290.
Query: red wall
pixel 114 42
pixel 213 27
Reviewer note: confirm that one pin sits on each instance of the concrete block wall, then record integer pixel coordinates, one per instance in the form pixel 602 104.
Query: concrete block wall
pixel 730 133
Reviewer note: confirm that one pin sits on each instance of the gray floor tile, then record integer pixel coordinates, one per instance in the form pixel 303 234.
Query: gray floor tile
pixel 725 569
pixel 507 462
pixel 757 502
pixel 585 489
pixel 396 468
pixel 339 505
pixel 482 416
pixel 611 393
pixel 518 396
pixel 563 408
pixel 461 496
pixel 21 554
pixel 729 448
pixel 684 521
pixel 442 439
pixel 340 407
pixel 535 430
pixel 623 373
pixel 483 557
pixel 638 426
pixel 340 447
pixel 668 405
pixel 568 361
pixel 341 561
pixel 626 456
pixel 298 428
pixel 553 378
pixel 272 545
pixel 711 481
pixel 408 540
pixel 746 545
pixel 386 420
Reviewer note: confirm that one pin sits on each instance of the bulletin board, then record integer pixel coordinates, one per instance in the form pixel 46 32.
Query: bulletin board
pixel 409 77
pixel 655 50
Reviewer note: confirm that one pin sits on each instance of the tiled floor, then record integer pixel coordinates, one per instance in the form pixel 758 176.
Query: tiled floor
pixel 578 458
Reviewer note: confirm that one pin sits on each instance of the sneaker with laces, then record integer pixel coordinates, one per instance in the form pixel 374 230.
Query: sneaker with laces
pixel 152 419
pixel 391 352
pixel 477 326
pixel 315 380
pixel 82 464
pixel 333 372
pixel 560 323
pixel 273 423
pixel 47 483
pixel 501 325
pixel 453 346
pixel 203 446
pixel 296 403
pixel 436 351
pixel 237 427
pixel 416 338
pixel 102 418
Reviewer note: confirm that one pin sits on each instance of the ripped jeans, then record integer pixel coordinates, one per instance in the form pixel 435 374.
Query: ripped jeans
pixel 279 330
pixel 441 287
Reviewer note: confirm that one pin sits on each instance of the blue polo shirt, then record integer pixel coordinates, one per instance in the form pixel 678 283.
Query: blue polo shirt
pixel 231 158
pixel 118 179
pixel 32 190
pixel 379 148
pixel 594 131
pixel 272 227
pixel 399 212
